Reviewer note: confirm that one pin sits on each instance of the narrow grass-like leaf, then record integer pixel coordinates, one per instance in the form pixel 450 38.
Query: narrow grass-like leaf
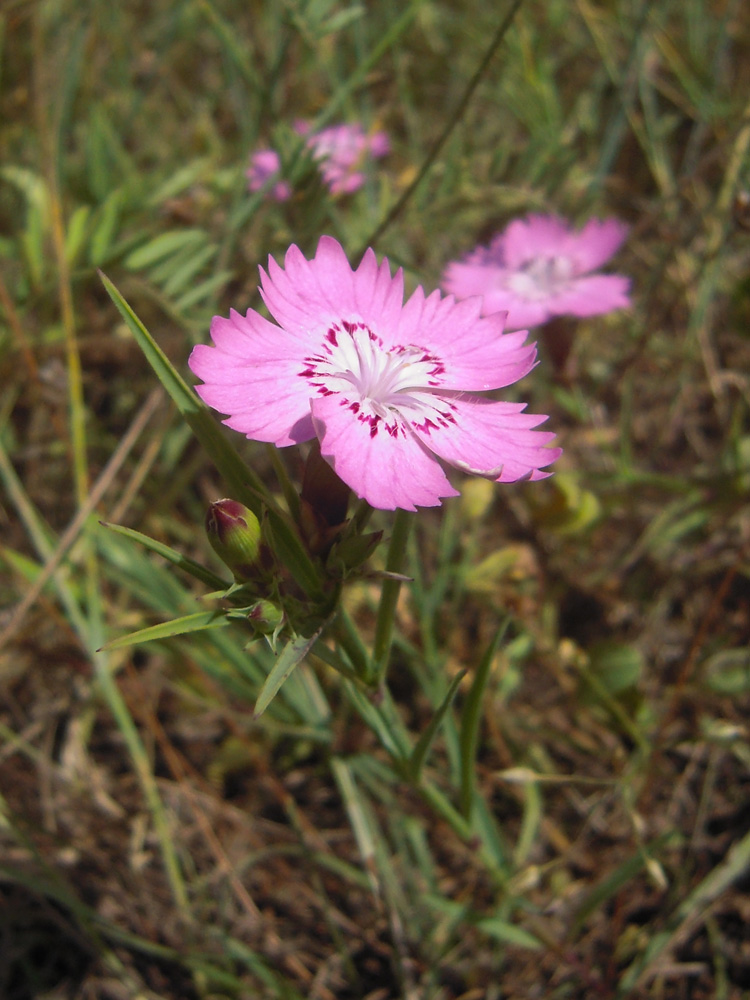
pixel 246 486
pixel 198 622
pixel 689 913
pixel 173 556
pixel 470 718
pixel 485 826
pixel 186 266
pixel 501 930
pixel 397 550
pixel 422 748
pixel 235 48
pixel 180 180
pixel 76 232
pixel 290 658
pixel 616 879
pixel 242 482
pixel 381 726
pixel 532 818
pixel 164 245
pixel 358 814
pixel 107 219
pixel 203 290
pixel 88 632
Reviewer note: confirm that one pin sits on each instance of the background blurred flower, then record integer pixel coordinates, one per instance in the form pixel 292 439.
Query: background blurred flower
pixel 339 150
pixel 265 164
pixel 388 388
pixel 539 267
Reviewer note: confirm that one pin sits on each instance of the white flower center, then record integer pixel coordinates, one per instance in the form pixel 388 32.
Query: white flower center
pixel 541 277
pixel 392 387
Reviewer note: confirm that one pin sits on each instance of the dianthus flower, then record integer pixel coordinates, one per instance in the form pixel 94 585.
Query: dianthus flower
pixel 339 151
pixel 265 164
pixel 388 387
pixel 539 267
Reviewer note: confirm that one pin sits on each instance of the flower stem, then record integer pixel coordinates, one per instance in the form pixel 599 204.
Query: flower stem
pixel 450 125
pixel 389 595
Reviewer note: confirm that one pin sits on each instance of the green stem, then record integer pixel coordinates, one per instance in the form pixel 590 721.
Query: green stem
pixel 389 595
pixel 451 124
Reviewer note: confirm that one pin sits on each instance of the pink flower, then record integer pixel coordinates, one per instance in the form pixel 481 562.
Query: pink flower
pixel 265 164
pixel 388 388
pixel 338 150
pixel 538 268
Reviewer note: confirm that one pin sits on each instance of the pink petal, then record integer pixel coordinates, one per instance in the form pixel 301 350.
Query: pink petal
pixel 493 439
pixel 306 296
pixel 264 164
pixel 595 243
pixel 341 182
pixel 472 277
pixel 253 374
pixel 388 472
pixel 536 236
pixel 476 352
pixel 379 144
pixel 378 296
pixel 267 401
pixel 593 295
pixel 251 336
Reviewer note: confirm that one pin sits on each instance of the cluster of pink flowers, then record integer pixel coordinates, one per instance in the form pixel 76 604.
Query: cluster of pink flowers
pixel 539 267
pixel 393 390
pixel 389 388
pixel 339 151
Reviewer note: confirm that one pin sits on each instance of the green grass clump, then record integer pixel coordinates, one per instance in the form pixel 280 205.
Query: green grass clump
pixel 550 800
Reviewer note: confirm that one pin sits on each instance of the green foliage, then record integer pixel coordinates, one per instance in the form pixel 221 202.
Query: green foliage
pixel 398 787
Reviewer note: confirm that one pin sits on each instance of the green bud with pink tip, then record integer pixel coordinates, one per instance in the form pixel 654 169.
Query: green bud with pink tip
pixel 234 533
pixel 265 617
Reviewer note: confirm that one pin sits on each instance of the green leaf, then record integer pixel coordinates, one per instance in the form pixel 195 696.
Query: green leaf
pixel 189 263
pixel 203 290
pixel 197 622
pixel 501 930
pixel 617 665
pixel 164 245
pixel 103 235
pixel 472 713
pixel 180 180
pixel 242 482
pixel 615 880
pixel 172 555
pixel 422 748
pixel 728 672
pixel 76 232
pixel 291 656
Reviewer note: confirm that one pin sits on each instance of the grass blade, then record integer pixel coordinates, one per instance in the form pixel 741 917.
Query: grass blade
pixel 425 741
pixel 470 718
pixel 290 658
pixel 243 482
pixel 195 569
pixel 197 622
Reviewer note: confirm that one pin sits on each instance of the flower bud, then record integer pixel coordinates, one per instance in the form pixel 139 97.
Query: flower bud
pixel 265 617
pixel 234 533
